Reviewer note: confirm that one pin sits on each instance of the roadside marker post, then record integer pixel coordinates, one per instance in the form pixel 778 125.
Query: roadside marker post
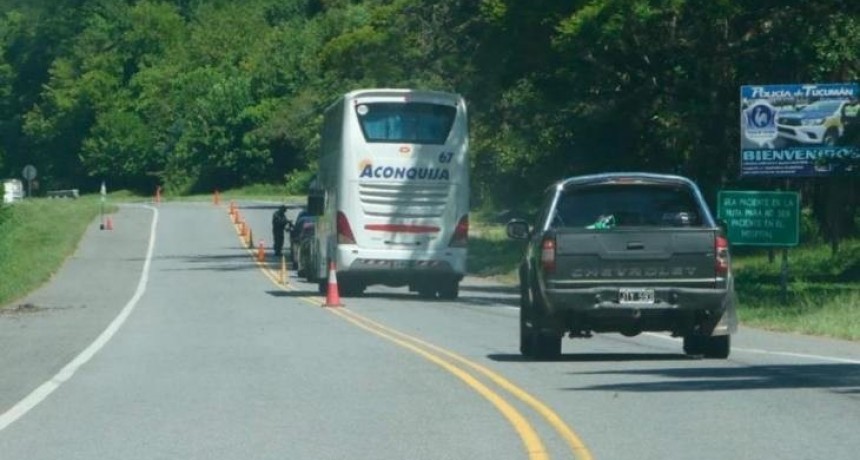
pixel 103 193
pixel 261 251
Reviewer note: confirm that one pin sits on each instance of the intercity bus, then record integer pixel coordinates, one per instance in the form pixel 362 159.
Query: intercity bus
pixel 392 192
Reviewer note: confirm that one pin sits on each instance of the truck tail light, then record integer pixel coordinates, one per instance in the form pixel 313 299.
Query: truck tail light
pixel 344 231
pixel 547 255
pixel 721 250
pixel 461 233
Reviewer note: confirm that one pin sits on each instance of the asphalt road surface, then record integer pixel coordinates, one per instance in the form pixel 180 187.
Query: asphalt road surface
pixel 165 338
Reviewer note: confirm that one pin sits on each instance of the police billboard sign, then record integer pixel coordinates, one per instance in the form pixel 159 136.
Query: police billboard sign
pixel 800 130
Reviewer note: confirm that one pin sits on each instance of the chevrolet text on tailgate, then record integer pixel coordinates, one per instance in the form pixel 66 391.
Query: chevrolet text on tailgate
pixel 625 253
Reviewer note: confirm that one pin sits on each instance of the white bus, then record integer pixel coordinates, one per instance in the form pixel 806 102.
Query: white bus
pixel 392 192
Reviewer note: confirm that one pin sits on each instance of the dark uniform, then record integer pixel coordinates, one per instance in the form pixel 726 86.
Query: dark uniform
pixel 851 123
pixel 280 224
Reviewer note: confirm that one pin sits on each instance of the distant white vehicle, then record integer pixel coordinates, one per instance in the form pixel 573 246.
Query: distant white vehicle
pixel 13 190
pixel 392 196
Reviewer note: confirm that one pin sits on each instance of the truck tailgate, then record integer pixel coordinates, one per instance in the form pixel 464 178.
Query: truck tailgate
pixel 641 256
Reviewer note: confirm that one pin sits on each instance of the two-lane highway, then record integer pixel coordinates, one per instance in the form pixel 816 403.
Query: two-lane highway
pixel 217 359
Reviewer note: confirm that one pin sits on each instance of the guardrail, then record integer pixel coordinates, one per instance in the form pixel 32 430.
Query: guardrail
pixel 71 193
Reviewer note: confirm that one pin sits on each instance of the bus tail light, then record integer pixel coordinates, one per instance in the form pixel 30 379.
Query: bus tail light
pixel 547 255
pixel 461 233
pixel 344 231
pixel 721 251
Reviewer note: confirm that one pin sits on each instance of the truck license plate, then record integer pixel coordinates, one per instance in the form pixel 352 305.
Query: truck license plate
pixel 635 295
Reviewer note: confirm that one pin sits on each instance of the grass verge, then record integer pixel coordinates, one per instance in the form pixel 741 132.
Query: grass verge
pixel 36 236
pixel 822 295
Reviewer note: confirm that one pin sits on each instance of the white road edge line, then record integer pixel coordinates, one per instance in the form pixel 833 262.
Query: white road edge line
pixel 43 391
pixel 773 353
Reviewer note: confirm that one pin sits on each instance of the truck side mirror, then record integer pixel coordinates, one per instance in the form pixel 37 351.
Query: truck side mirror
pixel 518 229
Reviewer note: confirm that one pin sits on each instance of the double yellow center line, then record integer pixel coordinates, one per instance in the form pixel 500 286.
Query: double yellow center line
pixel 467 371
pixel 458 366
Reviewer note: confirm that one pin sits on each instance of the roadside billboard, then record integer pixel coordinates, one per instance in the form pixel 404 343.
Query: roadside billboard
pixel 800 130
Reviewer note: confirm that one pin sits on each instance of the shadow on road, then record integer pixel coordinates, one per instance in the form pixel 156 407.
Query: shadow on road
pixel 841 378
pixel 268 206
pixel 406 296
pixel 596 357
pixel 221 263
pixel 496 288
pixel 295 294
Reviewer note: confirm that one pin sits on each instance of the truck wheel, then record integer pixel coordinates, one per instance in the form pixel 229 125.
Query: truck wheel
pixel 426 292
pixel 534 342
pixel 527 336
pixel 717 347
pixel 548 346
pixel 694 344
pixel 450 289
pixel 527 341
pixel 350 288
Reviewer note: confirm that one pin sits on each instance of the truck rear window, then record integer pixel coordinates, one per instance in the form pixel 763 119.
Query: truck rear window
pixel 633 205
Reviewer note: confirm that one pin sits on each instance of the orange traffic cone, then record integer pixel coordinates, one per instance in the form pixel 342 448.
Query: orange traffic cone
pixel 261 252
pixel 332 297
pixel 109 224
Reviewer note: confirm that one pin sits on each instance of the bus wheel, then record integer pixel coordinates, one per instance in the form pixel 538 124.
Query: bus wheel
pixel 349 288
pixel 450 290
pixel 426 292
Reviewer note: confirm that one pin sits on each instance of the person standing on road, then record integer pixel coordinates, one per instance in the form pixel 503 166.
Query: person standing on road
pixel 280 225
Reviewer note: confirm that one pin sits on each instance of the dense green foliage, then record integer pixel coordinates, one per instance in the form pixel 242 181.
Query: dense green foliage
pixel 199 94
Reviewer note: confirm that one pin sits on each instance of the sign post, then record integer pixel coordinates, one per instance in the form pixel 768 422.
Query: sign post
pixel 769 219
pixel 103 193
pixel 29 174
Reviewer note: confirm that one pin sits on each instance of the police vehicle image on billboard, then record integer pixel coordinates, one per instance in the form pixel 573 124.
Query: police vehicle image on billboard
pixel 800 130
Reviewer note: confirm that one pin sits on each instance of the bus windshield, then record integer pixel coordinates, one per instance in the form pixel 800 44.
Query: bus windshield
pixel 410 122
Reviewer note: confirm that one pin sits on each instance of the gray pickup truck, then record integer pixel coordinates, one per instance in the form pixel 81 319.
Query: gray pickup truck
pixel 625 253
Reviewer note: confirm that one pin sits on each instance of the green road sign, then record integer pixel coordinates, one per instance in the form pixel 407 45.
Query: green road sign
pixel 761 218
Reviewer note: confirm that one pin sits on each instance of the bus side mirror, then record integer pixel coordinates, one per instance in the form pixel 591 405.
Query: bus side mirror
pixel 316 204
